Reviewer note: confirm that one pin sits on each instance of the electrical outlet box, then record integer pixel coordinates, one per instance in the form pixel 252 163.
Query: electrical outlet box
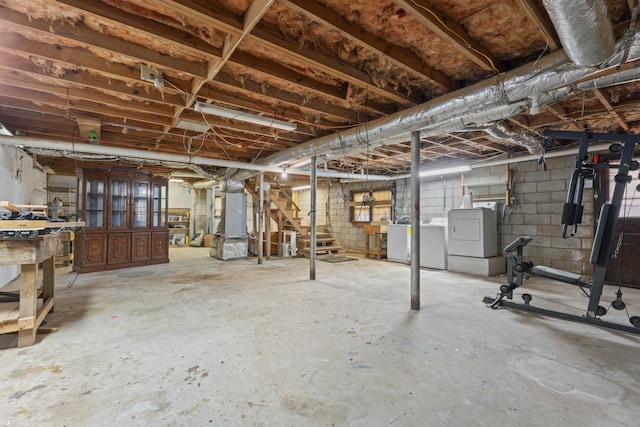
pixel 149 74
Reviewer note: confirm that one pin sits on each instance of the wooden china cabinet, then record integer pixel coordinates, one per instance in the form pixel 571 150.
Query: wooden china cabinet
pixel 125 211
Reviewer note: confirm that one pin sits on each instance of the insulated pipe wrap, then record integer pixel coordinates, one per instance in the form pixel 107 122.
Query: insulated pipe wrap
pixel 504 131
pixel 583 28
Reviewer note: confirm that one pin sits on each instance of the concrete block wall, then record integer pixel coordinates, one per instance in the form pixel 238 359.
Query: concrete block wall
pixel 304 203
pixel 539 196
pixel 437 197
pixel 333 211
pixel 537 212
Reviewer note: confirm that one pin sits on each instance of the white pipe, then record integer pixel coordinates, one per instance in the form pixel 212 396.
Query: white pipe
pixel 530 157
pixel 165 157
pixel 525 158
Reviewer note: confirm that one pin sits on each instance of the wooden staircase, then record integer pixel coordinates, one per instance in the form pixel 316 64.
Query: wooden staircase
pixel 325 244
pixel 286 207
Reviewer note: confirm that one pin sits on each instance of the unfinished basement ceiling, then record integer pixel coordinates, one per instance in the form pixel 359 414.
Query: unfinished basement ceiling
pixel 70 71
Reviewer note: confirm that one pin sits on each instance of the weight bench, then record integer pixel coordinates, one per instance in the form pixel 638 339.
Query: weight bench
pixel 560 275
pixel 518 270
pixel 572 211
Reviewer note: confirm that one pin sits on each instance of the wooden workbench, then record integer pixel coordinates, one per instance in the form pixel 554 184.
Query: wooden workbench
pixel 24 316
pixel 379 233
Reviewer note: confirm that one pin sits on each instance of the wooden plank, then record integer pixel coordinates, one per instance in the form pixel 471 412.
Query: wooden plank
pixel 401 57
pixel 9 206
pixel 451 32
pixel 66 224
pixel 42 313
pixel 17 251
pixel 542 21
pixel 323 249
pixel 28 303
pixel 14 224
pixel 9 312
pixel 602 97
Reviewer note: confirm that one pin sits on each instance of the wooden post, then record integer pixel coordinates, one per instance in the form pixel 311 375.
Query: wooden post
pixel 28 303
pixel 267 228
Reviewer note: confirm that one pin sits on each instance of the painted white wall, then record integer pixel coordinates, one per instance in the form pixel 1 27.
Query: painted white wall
pixel 20 183
pixel 180 196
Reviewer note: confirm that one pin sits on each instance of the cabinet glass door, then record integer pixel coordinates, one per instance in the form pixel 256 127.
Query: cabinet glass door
pixel 159 205
pixel 119 190
pixel 140 204
pixel 94 202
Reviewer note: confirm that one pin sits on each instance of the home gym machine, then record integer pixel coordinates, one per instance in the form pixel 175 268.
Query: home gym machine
pixel 518 269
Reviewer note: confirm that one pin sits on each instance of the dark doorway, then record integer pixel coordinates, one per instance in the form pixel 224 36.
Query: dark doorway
pixel 624 266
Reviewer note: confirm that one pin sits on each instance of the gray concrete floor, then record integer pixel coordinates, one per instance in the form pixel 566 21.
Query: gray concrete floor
pixel 203 342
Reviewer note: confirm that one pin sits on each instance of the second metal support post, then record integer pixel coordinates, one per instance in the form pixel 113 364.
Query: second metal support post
pixel 312 220
pixel 260 217
pixel 415 220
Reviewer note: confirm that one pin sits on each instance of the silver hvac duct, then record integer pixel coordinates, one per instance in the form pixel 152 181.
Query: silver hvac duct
pixel 433 117
pixel 583 28
pixel 526 139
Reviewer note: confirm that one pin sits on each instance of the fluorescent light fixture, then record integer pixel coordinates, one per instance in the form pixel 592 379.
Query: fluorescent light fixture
pixel 445 171
pixel 191 125
pixel 301 187
pixel 4 131
pixel 256 119
pixel 176 180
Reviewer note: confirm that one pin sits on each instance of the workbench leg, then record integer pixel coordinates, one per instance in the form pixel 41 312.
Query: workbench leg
pixel 28 303
pixel 48 280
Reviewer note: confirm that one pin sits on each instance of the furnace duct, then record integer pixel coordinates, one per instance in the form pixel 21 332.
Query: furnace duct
pixel 583 28
pixel 497 98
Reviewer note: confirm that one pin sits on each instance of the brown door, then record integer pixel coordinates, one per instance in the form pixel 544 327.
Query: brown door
pixel 141 250
pixel 119 248
pixel 94 247
pixel 160 243
pixel 624 266
pixel 624 269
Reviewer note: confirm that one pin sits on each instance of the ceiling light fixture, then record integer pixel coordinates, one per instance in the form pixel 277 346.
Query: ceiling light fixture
pixel 301 187
pixel 191 125
pixel 4 131
pixel 256 119
pixel 445 171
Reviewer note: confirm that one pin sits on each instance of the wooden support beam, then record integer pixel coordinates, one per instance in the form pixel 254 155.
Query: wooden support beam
pixel 450 31
pixel 602 97
pixel 401 57
pixel 541 19
pixel 559 112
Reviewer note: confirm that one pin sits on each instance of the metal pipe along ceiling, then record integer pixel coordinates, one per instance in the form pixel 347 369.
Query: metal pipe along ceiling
pixel 103 152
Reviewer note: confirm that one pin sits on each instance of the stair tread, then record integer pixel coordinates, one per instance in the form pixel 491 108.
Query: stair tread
pixel 323 248
pixel 318 235
pixel 320 239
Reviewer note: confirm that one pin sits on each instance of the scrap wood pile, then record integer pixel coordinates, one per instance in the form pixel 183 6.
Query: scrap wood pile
pixel 30 221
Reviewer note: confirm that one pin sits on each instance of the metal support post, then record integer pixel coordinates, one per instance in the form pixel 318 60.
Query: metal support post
pixel 312 219
pixel 260 217
pixel 415 220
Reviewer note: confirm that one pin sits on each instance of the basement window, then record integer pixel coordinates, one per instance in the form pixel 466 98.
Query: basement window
pixel 369 206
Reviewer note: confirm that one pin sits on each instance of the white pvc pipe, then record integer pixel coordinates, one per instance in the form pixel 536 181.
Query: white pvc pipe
pixel 166 157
